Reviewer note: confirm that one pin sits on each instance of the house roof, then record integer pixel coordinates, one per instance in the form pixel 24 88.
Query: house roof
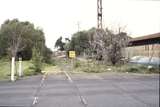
pixel 151 36
pixel 144 40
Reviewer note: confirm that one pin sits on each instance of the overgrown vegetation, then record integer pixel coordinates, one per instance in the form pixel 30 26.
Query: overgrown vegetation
pixel 97 44
pixel 102 50
pixel 37 60
pixel 94 66
pixel 137 68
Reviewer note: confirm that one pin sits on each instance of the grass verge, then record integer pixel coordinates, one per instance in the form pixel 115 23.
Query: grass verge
pixel 27 67
pixel 90 66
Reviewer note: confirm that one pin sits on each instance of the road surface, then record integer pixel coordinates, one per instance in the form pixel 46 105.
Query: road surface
pixel 83 90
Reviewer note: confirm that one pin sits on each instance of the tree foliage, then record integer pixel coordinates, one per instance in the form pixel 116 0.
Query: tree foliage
pixel 37 60
pixel 79 42
pixel 19 38
pixel 16 34
pixel 3 46
pixel 60 44
pixel 109 45
pixel 117 43
pixel 99 43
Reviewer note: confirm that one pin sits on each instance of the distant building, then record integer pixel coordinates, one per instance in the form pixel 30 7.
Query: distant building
pixel 148 45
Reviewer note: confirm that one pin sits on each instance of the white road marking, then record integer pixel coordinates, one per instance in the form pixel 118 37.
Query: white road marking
pixel 35 101
pixel 68 77
pixel 81 97
pixel 83 100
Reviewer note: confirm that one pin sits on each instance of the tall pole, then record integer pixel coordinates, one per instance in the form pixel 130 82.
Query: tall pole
pixel 99 14
pixel 78 25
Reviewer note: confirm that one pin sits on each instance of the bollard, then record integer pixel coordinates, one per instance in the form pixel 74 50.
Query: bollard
pixel 13 69
pixel 20 73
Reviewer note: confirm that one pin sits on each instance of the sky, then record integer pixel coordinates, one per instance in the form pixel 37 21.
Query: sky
pixel 61 17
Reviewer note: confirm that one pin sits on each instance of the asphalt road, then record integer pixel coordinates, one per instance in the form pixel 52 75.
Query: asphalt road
pixel 107 90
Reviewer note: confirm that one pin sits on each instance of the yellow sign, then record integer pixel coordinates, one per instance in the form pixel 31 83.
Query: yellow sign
pixel 72 54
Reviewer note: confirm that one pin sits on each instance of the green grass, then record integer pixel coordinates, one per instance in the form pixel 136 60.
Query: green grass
pixel 5 68
pixel 27 67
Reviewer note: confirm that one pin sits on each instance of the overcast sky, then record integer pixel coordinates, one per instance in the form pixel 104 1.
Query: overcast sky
pixel 60 17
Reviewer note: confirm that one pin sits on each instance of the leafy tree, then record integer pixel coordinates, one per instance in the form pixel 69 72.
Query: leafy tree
pixel 16 34
pixel 67 39
pixel 100 44
pixel 60 44
pixel 3 45
pixel 47 56
pixel 79 42
pixel 19 38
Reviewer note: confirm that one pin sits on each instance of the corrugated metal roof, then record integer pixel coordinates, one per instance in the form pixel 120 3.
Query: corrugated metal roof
pixel 147 37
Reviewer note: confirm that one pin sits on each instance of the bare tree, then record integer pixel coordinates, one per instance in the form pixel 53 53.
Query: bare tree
pixel 108 45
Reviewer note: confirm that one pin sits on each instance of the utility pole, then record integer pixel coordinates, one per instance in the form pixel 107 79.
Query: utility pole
pixel 78 25
pixel 99 14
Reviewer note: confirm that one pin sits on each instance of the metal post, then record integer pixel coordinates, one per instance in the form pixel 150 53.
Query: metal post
pixel 20 68
pixel 13 69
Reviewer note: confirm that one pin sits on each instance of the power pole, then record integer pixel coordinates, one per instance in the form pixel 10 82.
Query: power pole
pixel 78 25
pixel 99 14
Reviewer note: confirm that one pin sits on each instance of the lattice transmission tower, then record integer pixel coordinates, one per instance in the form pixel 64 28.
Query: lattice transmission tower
pixel 99 14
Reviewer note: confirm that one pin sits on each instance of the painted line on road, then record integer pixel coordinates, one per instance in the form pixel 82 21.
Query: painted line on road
pixel 35 101
pixel 68 77
pixel 82 99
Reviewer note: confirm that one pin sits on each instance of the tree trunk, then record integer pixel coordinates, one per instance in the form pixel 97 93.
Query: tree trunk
pixel 13 69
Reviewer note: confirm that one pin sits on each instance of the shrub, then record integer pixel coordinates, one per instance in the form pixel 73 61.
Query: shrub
pixel 132 69
pixel 51 62
pixel 153 70
pixel 37 60
pixel 30 71
pixel 47 56
pixel 77 64
pixel 139 69
pixel 91 68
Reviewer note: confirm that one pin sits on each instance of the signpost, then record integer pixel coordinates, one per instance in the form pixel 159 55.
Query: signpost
pixel 72 54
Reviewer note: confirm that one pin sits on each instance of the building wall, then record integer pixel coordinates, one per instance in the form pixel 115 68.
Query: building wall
pixel 144 50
